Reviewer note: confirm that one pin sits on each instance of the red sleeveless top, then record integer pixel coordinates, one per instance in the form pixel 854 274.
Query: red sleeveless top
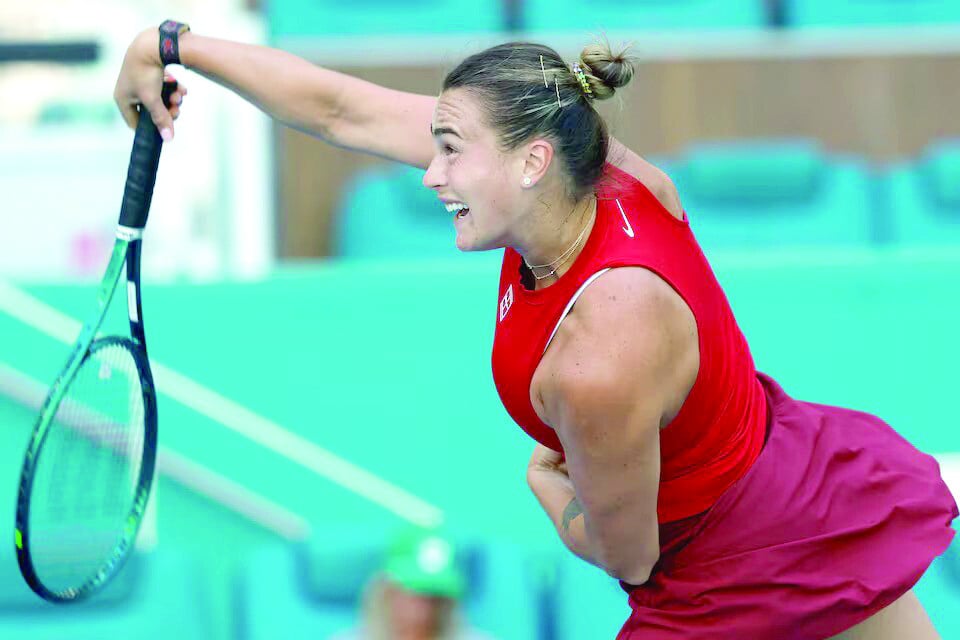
pixel 719 431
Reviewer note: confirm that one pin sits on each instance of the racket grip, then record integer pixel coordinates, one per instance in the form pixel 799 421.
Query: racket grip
pixel 142 170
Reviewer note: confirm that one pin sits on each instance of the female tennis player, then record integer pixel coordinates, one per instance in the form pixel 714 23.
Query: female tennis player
pixel 728 509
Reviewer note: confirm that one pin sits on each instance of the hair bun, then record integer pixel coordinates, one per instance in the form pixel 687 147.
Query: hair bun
pixel 605 70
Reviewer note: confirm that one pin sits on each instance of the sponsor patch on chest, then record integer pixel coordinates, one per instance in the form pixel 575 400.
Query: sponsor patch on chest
pixel 506 302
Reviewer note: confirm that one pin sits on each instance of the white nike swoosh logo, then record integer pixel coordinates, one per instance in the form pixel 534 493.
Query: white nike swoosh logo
pixel 627 229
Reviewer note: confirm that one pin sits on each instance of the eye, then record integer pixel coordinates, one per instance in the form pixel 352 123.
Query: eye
pixel 447 149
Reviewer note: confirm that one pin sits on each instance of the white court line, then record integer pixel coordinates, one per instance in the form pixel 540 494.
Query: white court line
pixel 42 317
pixel 31 393
pixel 219 488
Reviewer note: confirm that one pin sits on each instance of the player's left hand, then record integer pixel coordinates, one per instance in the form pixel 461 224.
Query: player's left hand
pixel 545 459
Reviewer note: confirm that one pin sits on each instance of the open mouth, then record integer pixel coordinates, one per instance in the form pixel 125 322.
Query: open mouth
pixel 459 208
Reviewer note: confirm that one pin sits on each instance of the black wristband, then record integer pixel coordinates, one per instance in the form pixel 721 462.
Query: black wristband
pixel 170 32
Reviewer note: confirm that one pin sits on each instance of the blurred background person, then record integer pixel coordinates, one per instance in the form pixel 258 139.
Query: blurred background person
pixel 417 594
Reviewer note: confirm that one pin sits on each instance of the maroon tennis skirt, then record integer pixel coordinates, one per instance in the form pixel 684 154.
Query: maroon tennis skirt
pixel 838 517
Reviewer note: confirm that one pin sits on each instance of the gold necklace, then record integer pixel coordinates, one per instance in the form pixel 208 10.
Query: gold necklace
pixel 552 266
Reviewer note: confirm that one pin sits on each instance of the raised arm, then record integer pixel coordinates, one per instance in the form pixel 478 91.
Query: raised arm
pixel 338 108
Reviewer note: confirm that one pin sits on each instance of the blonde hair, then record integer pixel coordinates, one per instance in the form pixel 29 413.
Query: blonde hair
pixel 606 71
pixel 376 613
pixel 527 90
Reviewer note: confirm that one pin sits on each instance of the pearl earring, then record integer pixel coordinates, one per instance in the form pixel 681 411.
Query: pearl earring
pixel 527 181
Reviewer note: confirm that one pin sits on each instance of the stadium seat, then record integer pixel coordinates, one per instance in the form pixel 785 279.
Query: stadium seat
pixel 774 194
pixel 151 599
pixel 305 18
pixel 830 13
pixel 922 197
pixel 586 17
pixel 314 590
pixel 386 212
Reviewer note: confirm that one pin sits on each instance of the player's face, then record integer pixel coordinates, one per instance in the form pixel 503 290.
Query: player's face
pixel 478 182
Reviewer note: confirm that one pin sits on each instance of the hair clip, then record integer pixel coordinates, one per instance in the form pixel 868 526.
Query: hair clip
pixel 557 87
pixel 545 83
pixel 582 78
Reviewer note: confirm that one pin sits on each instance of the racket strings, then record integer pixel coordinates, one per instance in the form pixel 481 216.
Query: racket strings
pixel 87 474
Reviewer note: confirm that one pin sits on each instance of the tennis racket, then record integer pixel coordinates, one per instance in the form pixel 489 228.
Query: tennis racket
pixel 89 463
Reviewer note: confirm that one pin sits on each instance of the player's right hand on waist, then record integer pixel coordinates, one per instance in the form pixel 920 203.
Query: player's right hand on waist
pixel 140 81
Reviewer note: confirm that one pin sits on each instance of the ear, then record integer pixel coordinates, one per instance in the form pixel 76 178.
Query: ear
pixel 536 159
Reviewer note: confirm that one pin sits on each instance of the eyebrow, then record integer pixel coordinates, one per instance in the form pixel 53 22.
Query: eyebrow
pixel 439 131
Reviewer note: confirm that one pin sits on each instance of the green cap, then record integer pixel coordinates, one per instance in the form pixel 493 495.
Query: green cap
pixel 423 561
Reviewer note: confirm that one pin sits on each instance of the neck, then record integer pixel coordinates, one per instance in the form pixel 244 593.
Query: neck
pixel 552 258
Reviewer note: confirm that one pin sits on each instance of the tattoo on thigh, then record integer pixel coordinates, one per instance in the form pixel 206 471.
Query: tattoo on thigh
pixel 571 511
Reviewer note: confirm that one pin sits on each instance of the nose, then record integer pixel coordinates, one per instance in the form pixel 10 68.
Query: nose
pixel 435 177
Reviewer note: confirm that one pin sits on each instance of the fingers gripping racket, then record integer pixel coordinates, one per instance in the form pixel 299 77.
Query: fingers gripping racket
pixel 89 464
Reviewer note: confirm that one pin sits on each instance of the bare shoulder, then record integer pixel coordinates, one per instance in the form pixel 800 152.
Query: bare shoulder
pixel 653 178
pixel 629 328
pixel 627 302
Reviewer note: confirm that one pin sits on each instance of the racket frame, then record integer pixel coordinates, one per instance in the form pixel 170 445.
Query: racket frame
pixel 126 252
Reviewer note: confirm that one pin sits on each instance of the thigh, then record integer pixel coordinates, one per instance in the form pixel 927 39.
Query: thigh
pixel 904 618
